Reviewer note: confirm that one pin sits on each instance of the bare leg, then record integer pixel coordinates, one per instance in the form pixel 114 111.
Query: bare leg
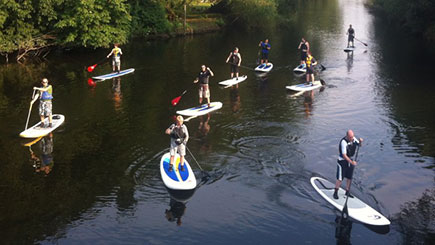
pixel 237 75
pixel 182 160
pixel 348 181
pixel 337 184
pixel 171 161
pixel 232 75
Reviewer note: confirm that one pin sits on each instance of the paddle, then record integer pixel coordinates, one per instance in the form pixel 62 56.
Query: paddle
pixel 205 174
pixel 246 67
pixel 365 44
pixel 102 61
pixel 175 101
pixel 347 196
pixel 30 109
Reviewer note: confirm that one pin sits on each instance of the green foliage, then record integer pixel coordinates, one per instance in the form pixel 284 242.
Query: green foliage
pixel 417 16
pixel 93 23
pixel 148 17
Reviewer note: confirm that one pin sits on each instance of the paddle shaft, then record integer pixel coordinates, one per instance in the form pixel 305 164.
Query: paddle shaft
pixel 197 163
pixel 30 109
pixel 365 44
pixel 347 196
pixel 246 67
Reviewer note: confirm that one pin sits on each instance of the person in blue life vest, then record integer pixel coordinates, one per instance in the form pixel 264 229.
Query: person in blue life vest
pixel 203 79
pixel 265 49
pixel 116 57
pixel 345 163
pixel 310 62
pixel 179 137
pixel 350 36
pixel 304 46
pixel 236 60
pixel 45 96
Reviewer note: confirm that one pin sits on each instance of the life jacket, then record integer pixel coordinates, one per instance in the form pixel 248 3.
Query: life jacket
pixel 178 132
pixel 350 148
pixel 47 95
pixel 304 47
pixel 234 58
pixel 116 52
pixel 264 47
pixel 308 60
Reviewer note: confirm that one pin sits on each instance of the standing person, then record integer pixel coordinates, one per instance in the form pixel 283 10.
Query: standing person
pixel 345 164
pixel 304 46
pixel 116 57
pixel 45 106
pixel 236 60
pixel 179 137
pixel 310 62
pixel 350 36
pixel 265 48
pixel 203 78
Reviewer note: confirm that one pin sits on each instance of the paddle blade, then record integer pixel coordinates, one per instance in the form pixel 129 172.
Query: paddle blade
pixel 91 68
pixel 175 101
pixel 91 82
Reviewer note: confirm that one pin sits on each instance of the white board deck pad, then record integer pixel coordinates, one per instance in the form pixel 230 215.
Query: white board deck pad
pixel 233 81
pixel 305 87
pixel 300 69
pixel 201 110
pixel 37 130
pixel 357 209
pixel 114 74
pixel 265 67
pixel 177 179
pixel 349 49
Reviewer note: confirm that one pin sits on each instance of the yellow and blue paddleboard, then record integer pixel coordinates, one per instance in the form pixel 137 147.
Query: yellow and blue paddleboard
pixel 177 179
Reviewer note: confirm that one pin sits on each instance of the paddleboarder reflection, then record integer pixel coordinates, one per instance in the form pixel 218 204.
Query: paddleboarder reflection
pixel 176 211
pixel 235 99
pixel 45 162
pixel 349 61
pixel 116 90
pixel 308 102
pixel 343 228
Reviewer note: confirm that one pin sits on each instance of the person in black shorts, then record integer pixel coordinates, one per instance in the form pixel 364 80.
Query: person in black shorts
pixel 235 59
pixel 310 62
pixel 203 79
pixel 350 36
pixel 345 164
pixel 304 46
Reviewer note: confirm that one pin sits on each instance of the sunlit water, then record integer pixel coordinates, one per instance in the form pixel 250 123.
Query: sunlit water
pixel 260 149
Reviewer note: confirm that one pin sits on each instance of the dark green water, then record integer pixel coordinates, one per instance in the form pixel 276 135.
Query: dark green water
pixel 260 149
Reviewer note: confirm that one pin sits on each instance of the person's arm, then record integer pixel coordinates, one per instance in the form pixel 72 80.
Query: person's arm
pixel 314 61
pixel 308 46
pixel 169 130
pixel 34 98
pixel 111 52
pixel 120 51
pixel 196 79
pixel 300 44
pixel 229 56
pixel 259 45
pixel 186 132
pixel 343 146
pixel 211 73
pixel 240 59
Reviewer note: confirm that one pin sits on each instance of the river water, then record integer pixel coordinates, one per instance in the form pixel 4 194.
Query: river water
pixel 103 184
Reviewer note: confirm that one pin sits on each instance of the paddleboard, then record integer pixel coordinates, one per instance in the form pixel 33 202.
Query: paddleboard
pixel 114 74
pixel 264 67
pixel 200 110
pixel 357 209
pixel 349 49
pixel 300 69
pixel 38 131
pixel 233 81
pixel 305 87
pixel 177 179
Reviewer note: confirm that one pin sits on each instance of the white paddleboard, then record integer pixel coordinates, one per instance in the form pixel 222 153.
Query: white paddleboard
pixel 300 69
pixel 305 87
pixel 233 81
pixel 357 209
pixel 264 67
pixel 38 131
pixel 349 49
pixel 200 110
pixel 177 179
pixel 114 74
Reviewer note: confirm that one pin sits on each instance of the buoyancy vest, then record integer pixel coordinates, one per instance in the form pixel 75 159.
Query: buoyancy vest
pixel 350 148
pixel 47 95
pixel 308 60
pixel 234 58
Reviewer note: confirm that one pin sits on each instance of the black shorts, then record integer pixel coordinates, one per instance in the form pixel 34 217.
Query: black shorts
pixel 264 56
pixel 344 169
pixel 310 70
pixel 350 38
pixel 304 56
pixel 234 69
